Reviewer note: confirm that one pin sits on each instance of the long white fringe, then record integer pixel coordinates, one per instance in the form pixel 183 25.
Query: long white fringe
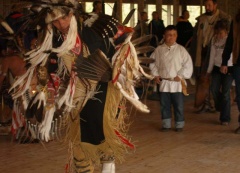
pixel 45 126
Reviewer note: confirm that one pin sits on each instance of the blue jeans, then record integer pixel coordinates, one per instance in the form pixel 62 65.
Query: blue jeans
pixel 220 87
pixel 172 99
pixel 236 76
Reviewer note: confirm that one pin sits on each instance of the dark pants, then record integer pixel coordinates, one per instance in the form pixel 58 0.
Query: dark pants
pixel 220 87
pixel 201 71
pixel 236 76
pixel 172 99
pixel 91 117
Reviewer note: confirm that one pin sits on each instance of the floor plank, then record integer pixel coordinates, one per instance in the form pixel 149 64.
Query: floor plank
pixel 204 146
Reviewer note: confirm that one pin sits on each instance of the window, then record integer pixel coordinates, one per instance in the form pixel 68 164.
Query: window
pixel 126 8
pixel 150 9
pixel 167 14
pixel 108 7
pixel 194 12
pixel 167 10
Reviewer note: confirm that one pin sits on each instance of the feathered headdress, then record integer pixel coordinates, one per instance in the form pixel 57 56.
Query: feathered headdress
pixel 43 12
pixel 59 8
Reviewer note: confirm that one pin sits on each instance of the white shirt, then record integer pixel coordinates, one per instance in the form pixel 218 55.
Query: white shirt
pixel 217 47
pixel 171 62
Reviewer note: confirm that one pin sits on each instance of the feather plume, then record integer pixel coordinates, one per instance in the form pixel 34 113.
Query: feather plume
pixel 129 16
pixel 141 40
pixel 147 75
pixel 45 126
pixel 95 67
pixel 67 99
pixel 36 107
pixel 89 22
pixel 144 49
pixel 7 27
pixel 146 69
pixel 114 11
pixel 103 25
pixel 145 60
pixel 139 105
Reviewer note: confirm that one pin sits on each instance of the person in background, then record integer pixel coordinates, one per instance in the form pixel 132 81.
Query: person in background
pixel 200 52
pixel 14 23
pixel 12 18
pixel 172 65
pixel 156 27
pixel 185 30
pixel 10 68
pixel 97 7
pixel 22 39
pixel 141 28
pixel 233 47
pixel 220 83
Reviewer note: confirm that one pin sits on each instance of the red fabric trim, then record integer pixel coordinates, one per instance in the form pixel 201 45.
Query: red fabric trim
pixel 116 77
pixel 14 16
pixel 78 46
pixel 126 55
pixel 66 168
pixel 124 140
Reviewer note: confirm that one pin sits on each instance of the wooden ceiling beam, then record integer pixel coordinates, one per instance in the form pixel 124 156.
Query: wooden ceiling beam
pixel 165 2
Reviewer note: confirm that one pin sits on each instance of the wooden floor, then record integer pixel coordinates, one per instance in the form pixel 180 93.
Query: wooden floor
pixel 204 146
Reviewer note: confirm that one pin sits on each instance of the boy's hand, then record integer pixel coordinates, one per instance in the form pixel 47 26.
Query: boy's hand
pixel 157 79
pixel 177 79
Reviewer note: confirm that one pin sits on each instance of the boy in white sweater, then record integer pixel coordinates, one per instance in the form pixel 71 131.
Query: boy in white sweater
pixel 172 65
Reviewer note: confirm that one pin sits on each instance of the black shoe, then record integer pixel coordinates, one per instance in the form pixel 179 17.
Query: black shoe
pixel 225 123
pixel 165 129
pixel 211 110
pixel 205 109
pixel 237 131
pixel 179 129
pixel 6 123
pixel 201 110
pixel 29 141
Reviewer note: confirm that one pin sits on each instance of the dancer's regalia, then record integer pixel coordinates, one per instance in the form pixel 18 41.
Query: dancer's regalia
pixel 75 75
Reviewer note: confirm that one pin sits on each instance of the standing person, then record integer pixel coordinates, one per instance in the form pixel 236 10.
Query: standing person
pixel 10 67
pixel 233 46
pixel 156 27
pixel 185 30
pixel 22 40
pixel 141 28
pixel 97 7
pixel 14 24
pixel 200 48
pixel 4 28
pixel 13 64
pixel 12 18
pixel 220 83
pixel 172 65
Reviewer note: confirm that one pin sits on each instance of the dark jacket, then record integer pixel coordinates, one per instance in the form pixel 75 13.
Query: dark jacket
pixel 156 28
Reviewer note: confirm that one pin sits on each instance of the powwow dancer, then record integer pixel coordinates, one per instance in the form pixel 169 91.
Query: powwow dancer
pixel 60 88
pixel 10 68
